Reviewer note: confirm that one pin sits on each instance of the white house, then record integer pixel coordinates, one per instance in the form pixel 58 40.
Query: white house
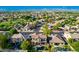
pixel 67 35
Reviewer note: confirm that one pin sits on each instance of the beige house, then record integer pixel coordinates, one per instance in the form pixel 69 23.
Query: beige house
pixel 74 36
pixel 71 28
pixel 16 38
pixel 56 40
pixel 67 35
pixel 38 39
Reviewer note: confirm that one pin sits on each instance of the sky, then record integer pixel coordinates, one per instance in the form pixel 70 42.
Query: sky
pixel 15 8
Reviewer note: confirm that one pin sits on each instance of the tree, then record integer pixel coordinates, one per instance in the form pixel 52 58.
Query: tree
pixel 70 42
pixel 3 41
pixel 25 44
pixel 47 32
pixel 9 45
pixel 49 48
pixel 69 21
pixel 56 27
pixel 50 20
pixel 75 45
pixel 13 31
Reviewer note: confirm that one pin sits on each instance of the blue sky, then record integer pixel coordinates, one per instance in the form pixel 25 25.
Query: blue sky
pixel 14 8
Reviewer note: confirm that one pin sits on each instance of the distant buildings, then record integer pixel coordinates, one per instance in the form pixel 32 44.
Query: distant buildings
pixel 32 30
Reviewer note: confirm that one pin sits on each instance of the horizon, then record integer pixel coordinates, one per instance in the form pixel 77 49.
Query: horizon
pixel 30 8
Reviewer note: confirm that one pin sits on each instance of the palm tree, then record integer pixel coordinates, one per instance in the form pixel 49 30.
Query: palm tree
pixel 70 42
pixel 47 32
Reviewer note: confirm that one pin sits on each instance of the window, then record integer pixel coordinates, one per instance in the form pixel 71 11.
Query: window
pixel 56 43
pixel 42 39
pixel 43 43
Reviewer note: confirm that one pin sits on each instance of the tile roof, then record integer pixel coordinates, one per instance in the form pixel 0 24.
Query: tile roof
pixel 55 39
pixel 75 35
pixel 17 36
pixel 36 36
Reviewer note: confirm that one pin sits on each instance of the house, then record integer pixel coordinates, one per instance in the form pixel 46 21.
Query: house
pixel 16 38
pixel 67 35
pixel 74 36
pixel 18 27
pixel 66 27
pixel 77 17
pixel 26 28
pixel 25 35
pixel 50 25
pixel 39 39
pixel 41 20
pixel 29 27
pixel 71 28
pixel 56 40
pixel 1 19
